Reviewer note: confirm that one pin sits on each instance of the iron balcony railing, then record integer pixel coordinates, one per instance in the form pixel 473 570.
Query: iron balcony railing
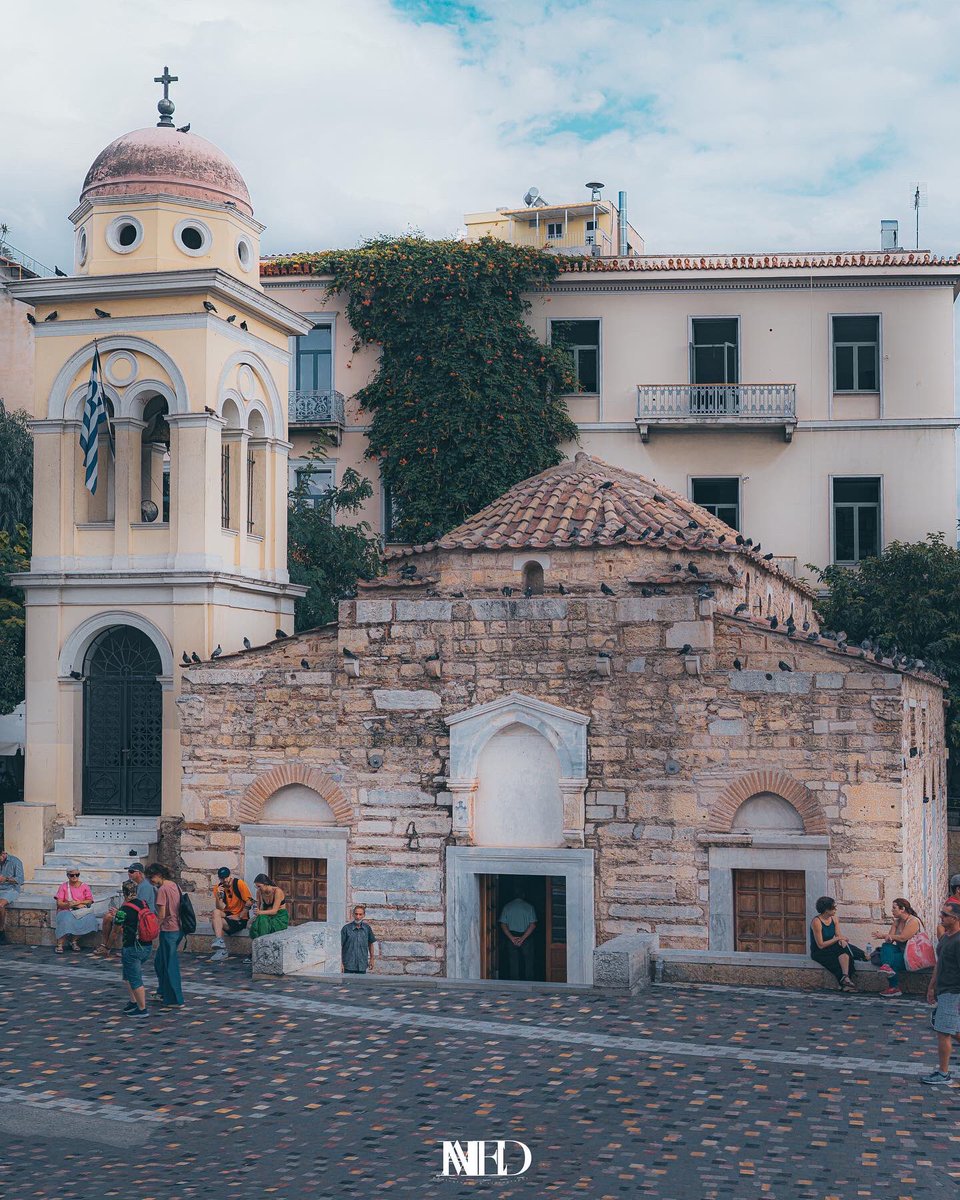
pixel 315 408
pixel 717 401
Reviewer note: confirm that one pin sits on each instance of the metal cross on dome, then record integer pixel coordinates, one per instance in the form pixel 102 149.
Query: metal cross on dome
pixel 165 107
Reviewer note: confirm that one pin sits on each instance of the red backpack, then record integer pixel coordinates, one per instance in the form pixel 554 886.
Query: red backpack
pixel 148 923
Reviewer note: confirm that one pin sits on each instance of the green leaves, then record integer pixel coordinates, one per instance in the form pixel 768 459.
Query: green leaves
pixel 14 558
pixel 324 553
pixel 466 399
pixel 908 597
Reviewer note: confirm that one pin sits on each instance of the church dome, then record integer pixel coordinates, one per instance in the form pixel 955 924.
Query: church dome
pixel 163 160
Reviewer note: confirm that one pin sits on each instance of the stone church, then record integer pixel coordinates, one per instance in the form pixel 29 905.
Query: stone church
pixel 592 693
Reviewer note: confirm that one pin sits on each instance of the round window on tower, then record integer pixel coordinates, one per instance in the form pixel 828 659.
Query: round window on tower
pixel 193 237
pixel 81 247
pixel 245 253
pixel 124 234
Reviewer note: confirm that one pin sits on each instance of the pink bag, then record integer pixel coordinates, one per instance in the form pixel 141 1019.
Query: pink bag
pixel 918 953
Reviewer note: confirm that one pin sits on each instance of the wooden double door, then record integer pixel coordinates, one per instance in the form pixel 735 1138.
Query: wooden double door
pixel 548 896
pixel 770 911
pixel 303 882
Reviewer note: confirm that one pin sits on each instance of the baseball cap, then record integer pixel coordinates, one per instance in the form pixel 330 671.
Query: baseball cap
pixel 223 872
pixel 135 867
pixel 954 882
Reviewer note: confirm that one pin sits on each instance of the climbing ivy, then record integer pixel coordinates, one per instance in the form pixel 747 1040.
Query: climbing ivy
pixel 466 401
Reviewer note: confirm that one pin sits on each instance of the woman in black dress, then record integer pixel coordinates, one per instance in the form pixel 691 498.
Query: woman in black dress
pixel 828 946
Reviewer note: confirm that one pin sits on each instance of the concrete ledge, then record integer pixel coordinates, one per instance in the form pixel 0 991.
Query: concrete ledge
pixel 623 963
pixel 795 971
pixel 290 950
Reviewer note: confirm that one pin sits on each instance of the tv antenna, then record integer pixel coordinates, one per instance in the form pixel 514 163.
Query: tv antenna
pixel 919 201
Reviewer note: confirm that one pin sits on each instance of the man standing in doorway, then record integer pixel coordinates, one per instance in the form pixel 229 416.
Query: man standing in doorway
pixel 356 944
pixel 944 991
pixel 518 922
pixel 11 881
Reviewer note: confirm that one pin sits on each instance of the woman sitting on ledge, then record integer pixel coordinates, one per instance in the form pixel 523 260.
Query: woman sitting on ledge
pixel 906 923
pixel 828 946
pixel 272 915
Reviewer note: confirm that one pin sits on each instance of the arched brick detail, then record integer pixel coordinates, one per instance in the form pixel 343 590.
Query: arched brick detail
pixel 791 790
pixel 260 791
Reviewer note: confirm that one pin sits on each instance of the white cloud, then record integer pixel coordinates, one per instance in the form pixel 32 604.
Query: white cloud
pixel 742 126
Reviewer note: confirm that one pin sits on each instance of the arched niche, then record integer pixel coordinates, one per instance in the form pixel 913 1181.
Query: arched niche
pixel 69 389
pixel 518 800
pixel 563 730
pixel 767 812
pixel 297 804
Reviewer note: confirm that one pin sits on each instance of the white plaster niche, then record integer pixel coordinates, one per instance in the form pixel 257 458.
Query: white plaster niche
pixel 518 793
pixel 297 804
pixel 767 812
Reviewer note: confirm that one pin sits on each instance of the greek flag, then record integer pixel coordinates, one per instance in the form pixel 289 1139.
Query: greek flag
pixel 94 415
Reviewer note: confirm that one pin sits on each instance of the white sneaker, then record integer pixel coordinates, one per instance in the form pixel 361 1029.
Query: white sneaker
pixel 219 955
pixel 218 944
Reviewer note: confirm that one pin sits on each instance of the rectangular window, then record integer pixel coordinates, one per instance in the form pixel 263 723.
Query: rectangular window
pixel 856 354
pixel 225 486
pixel 317 481
pixel 591 237
pixel 582 339
pixel 391 514
pixel 554 230
pixel 315 360
pixel 856 519
pixel 714 350
pixel 720 496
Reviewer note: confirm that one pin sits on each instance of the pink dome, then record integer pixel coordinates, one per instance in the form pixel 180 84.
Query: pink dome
pixel 149 161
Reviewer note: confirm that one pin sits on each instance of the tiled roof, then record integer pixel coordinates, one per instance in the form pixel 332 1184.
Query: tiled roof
pixel 696 262
pixel 586 502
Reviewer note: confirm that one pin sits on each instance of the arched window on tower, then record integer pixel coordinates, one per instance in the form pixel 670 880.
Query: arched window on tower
pixel 99 506
pixel 533 579
pixel 256 475
pixel 230 466
pixel 155 462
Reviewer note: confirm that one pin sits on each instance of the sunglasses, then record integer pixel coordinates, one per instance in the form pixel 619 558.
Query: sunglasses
pixel 73 874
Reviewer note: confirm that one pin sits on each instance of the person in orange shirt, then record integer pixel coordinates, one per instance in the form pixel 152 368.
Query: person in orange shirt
pixel 232 901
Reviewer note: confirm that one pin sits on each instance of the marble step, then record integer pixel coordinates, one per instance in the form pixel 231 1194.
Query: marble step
pixel 94 861
pixel 109 877
pixel 106 824
pixel 119 849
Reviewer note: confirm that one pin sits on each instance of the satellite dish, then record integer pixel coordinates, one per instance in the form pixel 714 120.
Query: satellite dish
pixel 531 196
pixel 149 511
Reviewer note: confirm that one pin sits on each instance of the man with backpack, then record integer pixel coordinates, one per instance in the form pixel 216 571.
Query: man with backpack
pixel 231 912
pixel 166 963
pixel 140 929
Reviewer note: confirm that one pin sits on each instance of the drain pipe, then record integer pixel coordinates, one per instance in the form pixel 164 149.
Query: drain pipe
pixel 622 223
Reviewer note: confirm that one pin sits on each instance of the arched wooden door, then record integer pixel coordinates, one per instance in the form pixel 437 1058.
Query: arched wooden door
pixel 122 725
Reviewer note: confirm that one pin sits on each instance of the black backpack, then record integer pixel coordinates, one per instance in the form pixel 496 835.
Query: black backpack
pixel 188 917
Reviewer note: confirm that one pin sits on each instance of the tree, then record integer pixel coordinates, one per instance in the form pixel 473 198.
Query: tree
pixel 466 401
pixel 326 555
pixel 16 471
pixel 909 599
pixel 14 558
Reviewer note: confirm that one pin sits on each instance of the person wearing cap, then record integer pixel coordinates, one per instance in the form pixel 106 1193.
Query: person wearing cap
pixel 145 892
pixel 953 898
pixel 231 912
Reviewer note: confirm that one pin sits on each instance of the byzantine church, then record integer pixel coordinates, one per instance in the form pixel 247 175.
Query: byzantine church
pixel 592 694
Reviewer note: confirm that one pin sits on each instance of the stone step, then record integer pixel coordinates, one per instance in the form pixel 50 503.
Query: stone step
pixel 108 877
pixel 34 895
pixel 114 849
pixel 83 833
pixel 147 824
pixel 91 861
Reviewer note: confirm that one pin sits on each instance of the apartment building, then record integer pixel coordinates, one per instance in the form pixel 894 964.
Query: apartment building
pixel 806 399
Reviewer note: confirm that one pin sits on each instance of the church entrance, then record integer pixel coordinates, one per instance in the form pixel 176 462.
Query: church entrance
pixel 122 725
pixel 544 958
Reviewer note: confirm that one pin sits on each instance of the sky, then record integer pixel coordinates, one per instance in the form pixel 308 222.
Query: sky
pixel 733 127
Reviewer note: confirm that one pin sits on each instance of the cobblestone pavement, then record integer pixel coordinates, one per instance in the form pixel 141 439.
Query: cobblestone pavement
pixel 314 1088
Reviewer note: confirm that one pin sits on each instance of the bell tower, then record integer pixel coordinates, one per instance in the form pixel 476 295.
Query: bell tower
pixel 182 546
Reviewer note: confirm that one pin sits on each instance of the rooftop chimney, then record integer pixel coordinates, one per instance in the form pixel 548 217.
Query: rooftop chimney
pixel 889 235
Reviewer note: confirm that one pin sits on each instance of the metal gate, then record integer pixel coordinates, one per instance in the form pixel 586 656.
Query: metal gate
pixel 122 725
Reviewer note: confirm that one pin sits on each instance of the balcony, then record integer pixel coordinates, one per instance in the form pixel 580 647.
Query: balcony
pixel 717 406
pixel 316 410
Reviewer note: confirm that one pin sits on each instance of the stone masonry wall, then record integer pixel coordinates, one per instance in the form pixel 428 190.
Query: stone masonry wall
pixel 669 732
